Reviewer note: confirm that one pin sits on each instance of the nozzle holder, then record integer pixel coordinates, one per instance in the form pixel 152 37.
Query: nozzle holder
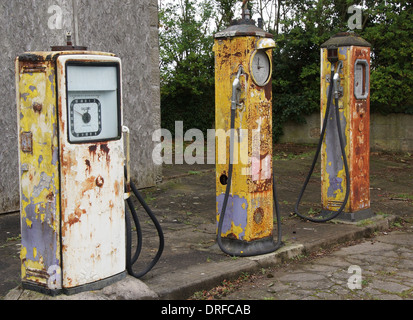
pixel 332 54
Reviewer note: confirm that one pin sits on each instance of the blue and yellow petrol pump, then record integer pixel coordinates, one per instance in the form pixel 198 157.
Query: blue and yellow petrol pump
pixel 344 141
pixel 244 176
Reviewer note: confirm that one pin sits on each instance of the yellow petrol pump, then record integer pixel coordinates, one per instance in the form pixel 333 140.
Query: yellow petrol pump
pixel 244 179
pixel 344 141
pixel 72 179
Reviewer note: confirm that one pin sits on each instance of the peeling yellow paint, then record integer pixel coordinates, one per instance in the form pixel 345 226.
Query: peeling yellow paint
pixel 39 167
pixel 29 223
pixel 254 113
pixel 235 229
pixel 23 253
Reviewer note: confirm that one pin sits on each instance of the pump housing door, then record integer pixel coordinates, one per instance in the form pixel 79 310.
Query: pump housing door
pixel 92 168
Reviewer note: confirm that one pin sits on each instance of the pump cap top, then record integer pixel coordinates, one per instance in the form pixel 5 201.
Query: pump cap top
pixel 243 28
pixel 344 39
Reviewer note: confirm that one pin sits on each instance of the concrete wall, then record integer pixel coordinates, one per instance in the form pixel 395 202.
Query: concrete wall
pixel 302 133
pixel 127 28
pixel 393 132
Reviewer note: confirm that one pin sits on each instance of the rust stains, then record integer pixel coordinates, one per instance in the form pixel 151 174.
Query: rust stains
pixel 75 217
pixel 92 150
pixel 88 184
pixel 26 142
pixel 88 166
pixel 116 188
pixel 258 215
pixel 31 67
pixel 360 135
pixel 37 107
pixel 268 91
pixel 105 150
pixel 50 196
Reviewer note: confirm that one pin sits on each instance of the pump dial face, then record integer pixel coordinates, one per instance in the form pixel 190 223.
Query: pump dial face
pixel 93 101
pixel 85 117
pixel 260 68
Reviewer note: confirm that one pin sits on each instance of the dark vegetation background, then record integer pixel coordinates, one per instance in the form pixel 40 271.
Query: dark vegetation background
pixel 299 28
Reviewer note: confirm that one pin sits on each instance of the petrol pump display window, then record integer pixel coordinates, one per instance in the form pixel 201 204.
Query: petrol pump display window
pixel 93 102
pixel 260 67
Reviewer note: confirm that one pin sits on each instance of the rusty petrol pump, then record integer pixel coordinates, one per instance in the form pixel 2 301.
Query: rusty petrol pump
pixel 344 141
pixel 245 189
pixel 72 170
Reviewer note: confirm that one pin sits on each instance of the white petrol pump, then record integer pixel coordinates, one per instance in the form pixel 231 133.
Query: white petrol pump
pixel 72 163
pixel 91 173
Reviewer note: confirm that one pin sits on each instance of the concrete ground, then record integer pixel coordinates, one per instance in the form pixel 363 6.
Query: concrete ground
pixel 380 268
pixel 192 262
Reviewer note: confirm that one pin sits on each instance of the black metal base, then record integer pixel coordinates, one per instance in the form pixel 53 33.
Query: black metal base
pixel 349 216
pixel 250 248
pixel 97 285
pixel 41 289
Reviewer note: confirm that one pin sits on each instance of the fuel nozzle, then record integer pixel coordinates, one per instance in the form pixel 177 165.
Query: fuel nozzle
pixel 236 87
pixel 338 90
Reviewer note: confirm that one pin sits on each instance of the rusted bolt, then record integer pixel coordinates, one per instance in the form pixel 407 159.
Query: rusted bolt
pixel 50 197
pixel 258 215
pixel 100 181
pixel 37 107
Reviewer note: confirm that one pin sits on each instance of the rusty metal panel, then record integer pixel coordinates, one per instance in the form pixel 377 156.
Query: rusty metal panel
pixel 355 122
pixel 39 172
pixel 92 204
pixel 249 213
pixel 26 140
pixel 359 135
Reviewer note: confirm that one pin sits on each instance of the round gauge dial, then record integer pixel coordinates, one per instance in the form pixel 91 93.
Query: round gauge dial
pixel 85 117
pixel 260 68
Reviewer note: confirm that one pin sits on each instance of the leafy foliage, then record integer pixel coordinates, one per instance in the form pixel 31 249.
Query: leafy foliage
pixel 387 25
pixel 390 31
pixel 299 28
pixel 187 64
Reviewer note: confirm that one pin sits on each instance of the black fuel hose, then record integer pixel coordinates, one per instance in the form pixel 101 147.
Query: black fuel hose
pixel 245 253
pixel 129 259
pixel 343 153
